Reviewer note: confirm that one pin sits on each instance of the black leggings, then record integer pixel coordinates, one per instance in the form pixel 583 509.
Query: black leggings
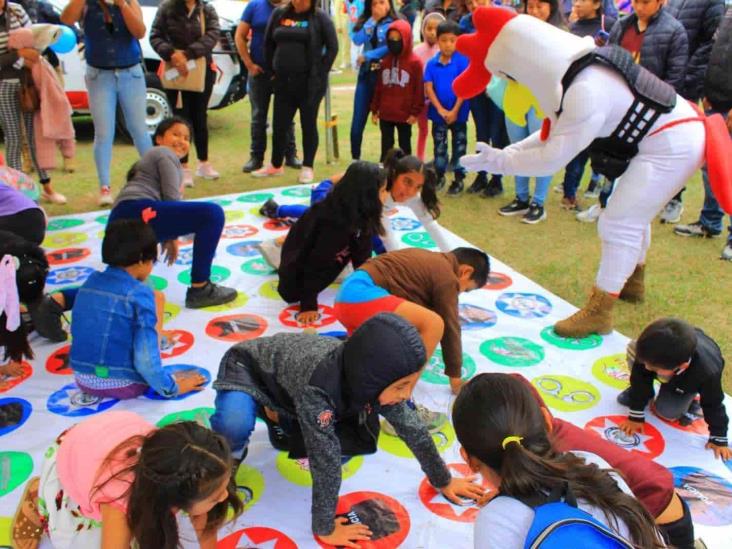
pixel 404 132
pixel 194 108
pixel 291 95
pixel 29 224
pixel 680 533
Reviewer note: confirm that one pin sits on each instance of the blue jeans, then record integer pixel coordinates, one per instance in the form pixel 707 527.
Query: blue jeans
pixel 318 194
pixel 365 87
pixel 517 133
pixel 459 146
pixel 106 87
pixel 711 214
pixel 234 418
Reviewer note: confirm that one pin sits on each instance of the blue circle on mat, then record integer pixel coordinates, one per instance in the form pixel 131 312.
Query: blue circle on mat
pixel 523 305
pixel 152 395
pixel 185 256
pixel 70 401
pixel 245 248
pixel 14 405
pixel 404 224
pixel 69 275
pixel 338 334
pixel 473 317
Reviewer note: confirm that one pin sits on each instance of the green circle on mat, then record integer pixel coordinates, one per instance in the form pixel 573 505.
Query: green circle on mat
pixel 565 393
pixel 249 485
pixel 297 192
pixel 512 351
pixel 15 468
pixel 297 471
pixel 612 370
pixel 199 415
pixel 218 275
pixel 269 290
pixel 258 266
pixel 435 370
pixel 60 224
pixel 102 219
pixel 220 201
pixel 158 282
pixel 394 445
pixel 233 215
pixel 419 240
pixel 573 344
pixel 255 197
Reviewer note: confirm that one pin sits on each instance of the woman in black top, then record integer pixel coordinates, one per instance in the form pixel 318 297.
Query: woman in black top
pixel 300 45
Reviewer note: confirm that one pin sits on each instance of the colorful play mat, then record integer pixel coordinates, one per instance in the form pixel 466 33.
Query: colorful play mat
pixel 506 328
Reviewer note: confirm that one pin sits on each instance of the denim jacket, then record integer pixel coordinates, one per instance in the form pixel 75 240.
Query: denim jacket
pixel 108 46
pixel 113 333
pixel 362 37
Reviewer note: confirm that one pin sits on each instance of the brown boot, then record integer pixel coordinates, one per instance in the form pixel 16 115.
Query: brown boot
pixel 595 317
pixel 634 290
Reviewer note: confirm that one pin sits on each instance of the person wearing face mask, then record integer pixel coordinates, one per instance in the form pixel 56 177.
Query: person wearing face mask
pixel 399 96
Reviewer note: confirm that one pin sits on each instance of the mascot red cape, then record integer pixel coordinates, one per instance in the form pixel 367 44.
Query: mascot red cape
pixel 639 132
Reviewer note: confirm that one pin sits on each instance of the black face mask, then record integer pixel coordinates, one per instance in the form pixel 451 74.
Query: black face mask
pixel 395 46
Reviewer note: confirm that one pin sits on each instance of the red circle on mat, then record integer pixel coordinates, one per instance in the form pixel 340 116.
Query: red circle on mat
pixel 256 536
pixel 58 362
pixel 239 231
pixel 440 506
pixel 497 281
pixel 67 255
pixel 277 224
pixel 7 383
pixel 236 327
pixel 698 426
pixel 648 443
pixel 176 343
pixel 386 518
pixel 326 316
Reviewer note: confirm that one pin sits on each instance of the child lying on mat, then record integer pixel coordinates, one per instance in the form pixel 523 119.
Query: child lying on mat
pixel 114 350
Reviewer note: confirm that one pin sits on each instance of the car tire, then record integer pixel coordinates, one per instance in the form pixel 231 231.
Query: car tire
pixel 157 107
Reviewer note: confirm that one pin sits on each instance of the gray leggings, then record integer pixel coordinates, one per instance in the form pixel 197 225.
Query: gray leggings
pixel 671 405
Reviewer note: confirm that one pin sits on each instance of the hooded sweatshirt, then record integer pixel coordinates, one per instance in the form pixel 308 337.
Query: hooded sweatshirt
pixel 423 50
pixel 329 391
pixel 399 89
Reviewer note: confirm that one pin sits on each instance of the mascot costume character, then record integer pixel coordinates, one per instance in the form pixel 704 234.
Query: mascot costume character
pixel 637 129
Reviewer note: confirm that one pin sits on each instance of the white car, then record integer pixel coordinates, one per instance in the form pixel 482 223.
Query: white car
pixel 230 83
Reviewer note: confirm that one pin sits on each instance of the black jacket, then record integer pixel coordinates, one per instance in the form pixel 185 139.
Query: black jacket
pixel 173 30
pixel 703 376
pixel 718 81
pixel 665 49
pixel 700 18
pixel 323 47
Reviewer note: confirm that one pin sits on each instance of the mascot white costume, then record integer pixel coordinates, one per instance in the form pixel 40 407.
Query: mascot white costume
pixel 638 131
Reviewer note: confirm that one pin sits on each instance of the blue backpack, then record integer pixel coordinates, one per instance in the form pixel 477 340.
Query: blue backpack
pixel 559 524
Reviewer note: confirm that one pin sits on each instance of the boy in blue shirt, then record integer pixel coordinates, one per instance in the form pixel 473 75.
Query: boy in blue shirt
pixel 446 110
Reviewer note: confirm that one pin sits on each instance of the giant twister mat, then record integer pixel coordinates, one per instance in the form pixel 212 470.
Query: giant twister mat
pixel 506 328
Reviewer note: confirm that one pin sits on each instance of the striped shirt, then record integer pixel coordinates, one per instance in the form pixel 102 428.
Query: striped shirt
pixel 13 17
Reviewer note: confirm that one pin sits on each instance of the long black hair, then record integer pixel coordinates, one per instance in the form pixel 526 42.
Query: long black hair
pixel 366 14
pixel 172 467
pixel 397 162
pixel 354 202
pixel 491 407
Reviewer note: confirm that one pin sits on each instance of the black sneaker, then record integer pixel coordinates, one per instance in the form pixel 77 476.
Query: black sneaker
pixel 480 183
pixel 440 183
pixel 695 229
pixel 253 164
pixel 293 162
pixel 456 188
pixel 517 207
pixel 46 316
pixel 269 209
pixel 535 214
pixel 209 295
pixel 624 398
pixel 494 187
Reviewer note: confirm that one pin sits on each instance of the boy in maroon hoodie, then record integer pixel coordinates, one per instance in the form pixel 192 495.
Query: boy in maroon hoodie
pixel 399 96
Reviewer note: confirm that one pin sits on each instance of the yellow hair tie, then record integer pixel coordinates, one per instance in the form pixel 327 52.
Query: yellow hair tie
pixel 512 438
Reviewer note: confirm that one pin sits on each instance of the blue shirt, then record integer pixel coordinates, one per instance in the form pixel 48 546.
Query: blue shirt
pixel 442 77
pixel 113 333
pixel 466 24
pixel 256 14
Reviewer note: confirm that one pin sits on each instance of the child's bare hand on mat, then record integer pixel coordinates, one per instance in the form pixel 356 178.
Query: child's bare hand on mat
pixel 630 427
pixel 463 488
pixel 12 369
pixel 720 452
pixel 345 535
pixel 170 247
pixel 307 317
pixel 189 381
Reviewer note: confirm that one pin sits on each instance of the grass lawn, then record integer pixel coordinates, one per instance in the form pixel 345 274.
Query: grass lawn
pixel 685 278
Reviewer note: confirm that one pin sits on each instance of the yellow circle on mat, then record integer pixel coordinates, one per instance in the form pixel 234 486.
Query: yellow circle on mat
pixel 240 301
pixel 396 446
pixel 233 215
pixel 269 289
pixel 612 370
pixel 297 471
pixel 63 239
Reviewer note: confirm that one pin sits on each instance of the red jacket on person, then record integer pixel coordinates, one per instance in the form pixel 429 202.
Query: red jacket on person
pixel 399 88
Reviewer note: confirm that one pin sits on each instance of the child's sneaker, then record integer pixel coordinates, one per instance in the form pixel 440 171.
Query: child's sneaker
pixel 208 295
pixel 593 189
pixel 695 229
pixel 517 207
pixel 306 175
pixel 187 178
pixel 269 209
pixel 672 211
pixel 535 214
pixel 624 398
pixel 207 171
pixel 440 183
pixel 269 171
pixel 54 198
pixel 46 316
pixel 480 183
pixel 494 187
pixel 105 196
pixel 589 215
pixel 456 187
pixel 727 252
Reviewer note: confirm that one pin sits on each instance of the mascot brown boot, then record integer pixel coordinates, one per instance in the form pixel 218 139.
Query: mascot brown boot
pixel 595 317
pixel 634 290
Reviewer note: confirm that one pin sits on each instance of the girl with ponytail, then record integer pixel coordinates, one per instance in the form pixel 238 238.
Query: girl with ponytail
pixel 512 449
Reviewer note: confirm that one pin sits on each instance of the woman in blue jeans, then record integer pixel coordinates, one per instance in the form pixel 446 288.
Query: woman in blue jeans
pixel 153 194
pixel 113 74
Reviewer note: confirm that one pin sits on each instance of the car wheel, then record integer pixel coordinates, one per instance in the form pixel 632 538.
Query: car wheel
pixel 157 107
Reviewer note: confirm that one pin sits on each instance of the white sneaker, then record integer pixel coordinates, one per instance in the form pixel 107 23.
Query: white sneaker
pixel 187 178
pixel 590 215
pixel 207 171
pixel 306 175
pixel 558 188
pixel 53 197
pixel 672 211
pixel 105 196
